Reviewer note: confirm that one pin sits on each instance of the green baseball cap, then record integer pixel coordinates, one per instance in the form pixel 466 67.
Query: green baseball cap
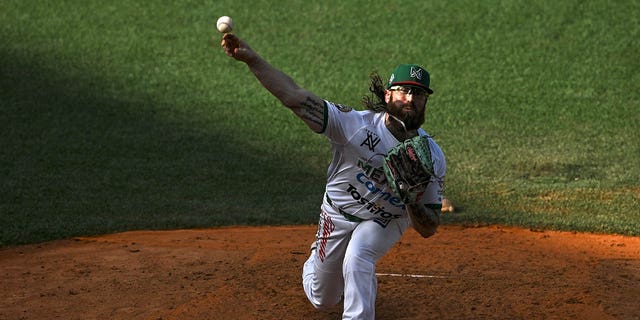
pixel 410 75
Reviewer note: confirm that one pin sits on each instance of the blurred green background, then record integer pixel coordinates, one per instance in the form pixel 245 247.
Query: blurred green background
pixel 125 115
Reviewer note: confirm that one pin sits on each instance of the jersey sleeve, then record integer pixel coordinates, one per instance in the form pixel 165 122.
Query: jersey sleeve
pixel 340 122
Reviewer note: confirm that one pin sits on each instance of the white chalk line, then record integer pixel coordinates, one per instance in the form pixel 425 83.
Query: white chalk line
pixel 409 275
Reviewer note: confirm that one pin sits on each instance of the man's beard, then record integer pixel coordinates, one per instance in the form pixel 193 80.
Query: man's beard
pixel 412 118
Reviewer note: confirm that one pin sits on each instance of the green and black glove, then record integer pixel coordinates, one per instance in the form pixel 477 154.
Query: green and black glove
pixel 409 168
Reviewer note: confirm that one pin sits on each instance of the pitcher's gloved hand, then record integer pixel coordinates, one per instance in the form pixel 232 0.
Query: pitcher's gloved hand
pixel 409 168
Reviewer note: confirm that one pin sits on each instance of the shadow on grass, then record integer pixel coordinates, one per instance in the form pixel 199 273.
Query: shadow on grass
pixel 80 156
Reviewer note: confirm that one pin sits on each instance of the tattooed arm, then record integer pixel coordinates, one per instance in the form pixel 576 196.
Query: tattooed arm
pixel 303 103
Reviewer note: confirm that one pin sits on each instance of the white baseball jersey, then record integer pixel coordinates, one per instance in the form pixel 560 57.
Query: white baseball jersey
pixel 361 218
pixel 356 183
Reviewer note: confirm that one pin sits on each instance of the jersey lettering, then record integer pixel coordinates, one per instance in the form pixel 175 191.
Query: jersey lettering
pixel 387 196
pixel 375 174
pixel 373 207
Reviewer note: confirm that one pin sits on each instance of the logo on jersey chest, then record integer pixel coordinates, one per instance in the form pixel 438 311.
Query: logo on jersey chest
pixel 371 141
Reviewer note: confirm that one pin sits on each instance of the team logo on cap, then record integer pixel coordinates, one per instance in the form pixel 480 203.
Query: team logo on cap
pixel 416 73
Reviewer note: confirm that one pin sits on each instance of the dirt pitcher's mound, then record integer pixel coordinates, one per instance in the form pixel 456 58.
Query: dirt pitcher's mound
pixel 254 273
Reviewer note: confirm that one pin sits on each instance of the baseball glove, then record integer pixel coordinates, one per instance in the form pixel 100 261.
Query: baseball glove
pixel 408 168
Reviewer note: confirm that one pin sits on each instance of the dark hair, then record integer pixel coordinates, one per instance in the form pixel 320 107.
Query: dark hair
pixel 375 102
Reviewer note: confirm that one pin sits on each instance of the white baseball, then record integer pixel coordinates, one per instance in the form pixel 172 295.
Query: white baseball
pixel 224 24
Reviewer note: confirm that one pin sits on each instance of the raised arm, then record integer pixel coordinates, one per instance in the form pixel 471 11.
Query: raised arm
pixel 306 105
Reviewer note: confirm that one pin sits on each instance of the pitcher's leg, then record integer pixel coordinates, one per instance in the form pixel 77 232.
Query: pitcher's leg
pixel 369 242
pixel 322 277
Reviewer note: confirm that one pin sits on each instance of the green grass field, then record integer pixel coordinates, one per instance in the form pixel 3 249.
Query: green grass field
pixel 124 115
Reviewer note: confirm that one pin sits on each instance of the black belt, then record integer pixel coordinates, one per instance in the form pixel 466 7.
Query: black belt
pixel 349 217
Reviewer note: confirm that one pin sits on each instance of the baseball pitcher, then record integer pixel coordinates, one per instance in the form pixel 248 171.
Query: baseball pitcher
pixel 386 174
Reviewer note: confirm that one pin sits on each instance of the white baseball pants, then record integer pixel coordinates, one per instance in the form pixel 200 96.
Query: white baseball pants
pixel 343 262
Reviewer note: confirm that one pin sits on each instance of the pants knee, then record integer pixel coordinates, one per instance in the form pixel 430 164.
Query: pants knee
pixel 324 307
pixel 356 264
pixel 325 303
pixel 323 293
